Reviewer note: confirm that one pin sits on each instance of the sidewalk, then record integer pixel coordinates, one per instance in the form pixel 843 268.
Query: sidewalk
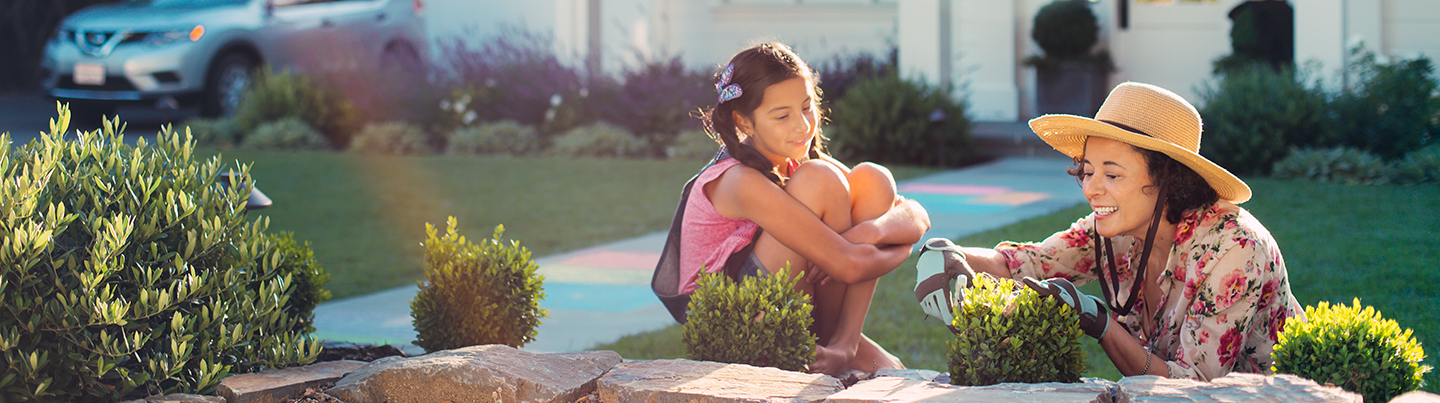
pixel 600 294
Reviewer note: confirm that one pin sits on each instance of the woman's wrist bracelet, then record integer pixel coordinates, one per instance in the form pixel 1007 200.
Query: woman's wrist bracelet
pixel 1147 360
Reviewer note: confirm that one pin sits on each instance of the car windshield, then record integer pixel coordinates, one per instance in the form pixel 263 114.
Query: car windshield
pixel 187 3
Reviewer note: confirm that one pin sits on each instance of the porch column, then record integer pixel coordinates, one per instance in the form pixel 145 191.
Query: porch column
pixel 921 45
pixel 984 38
pixel 577 33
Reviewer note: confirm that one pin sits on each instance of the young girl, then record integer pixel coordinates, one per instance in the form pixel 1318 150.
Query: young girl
pixel 825 220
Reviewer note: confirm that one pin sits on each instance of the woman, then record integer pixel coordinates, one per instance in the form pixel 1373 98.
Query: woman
pixel 815 215
pixel 1195 286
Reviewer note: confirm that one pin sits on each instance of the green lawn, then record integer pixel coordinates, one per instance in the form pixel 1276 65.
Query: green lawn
pixel 365 215
pixel 1340 242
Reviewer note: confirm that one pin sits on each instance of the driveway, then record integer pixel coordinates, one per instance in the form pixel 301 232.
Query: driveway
pixel 26 115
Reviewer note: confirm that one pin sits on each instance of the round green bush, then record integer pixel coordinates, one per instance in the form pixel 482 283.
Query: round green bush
pixel 129 271
pixel 1344 165
pixel 289 133
pixel 277 95
pixel 762 321
pixel 1392 108
pixel 1254 116
pixel 506 137
pixel 476 294
pixel 395 138
pixel 888 120
pixel 1065 29
pixel 599 140
pixel 1419 166
pixel 212 132
pixel 1009 333
pixel 1353 348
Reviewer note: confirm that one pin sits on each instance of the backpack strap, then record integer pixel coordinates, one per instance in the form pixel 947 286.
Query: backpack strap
pixel 666 280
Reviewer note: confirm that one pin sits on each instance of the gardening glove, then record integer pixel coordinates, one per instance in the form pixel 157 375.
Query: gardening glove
pixel 940 268
pixel 1093 315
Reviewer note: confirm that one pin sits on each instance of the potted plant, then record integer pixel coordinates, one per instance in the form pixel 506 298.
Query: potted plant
pixel 1070 77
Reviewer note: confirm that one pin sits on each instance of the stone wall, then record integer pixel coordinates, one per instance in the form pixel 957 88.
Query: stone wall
pixel 496 373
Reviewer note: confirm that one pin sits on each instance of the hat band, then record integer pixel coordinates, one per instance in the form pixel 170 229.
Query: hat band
pixel 1124 127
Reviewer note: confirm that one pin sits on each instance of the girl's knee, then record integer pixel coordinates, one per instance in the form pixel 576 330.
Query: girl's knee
pixel 868 177
pixel 872 191
pixel 817 179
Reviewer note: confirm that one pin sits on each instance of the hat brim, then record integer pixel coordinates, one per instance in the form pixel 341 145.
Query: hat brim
pixel 1067 133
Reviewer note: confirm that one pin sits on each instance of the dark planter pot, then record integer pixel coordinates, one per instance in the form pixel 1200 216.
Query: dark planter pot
pixel 1075 87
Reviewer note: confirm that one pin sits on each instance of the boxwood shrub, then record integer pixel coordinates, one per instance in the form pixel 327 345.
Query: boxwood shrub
pixel 1009 333
pixel 888 120
pixel 474 294
pixel 1352 347
pixel 761 321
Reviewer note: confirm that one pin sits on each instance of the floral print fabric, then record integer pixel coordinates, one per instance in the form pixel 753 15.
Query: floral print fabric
pixel 1226 295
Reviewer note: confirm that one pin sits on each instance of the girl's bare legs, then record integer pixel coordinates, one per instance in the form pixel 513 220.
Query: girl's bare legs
pixel 840 308
pixel 872 193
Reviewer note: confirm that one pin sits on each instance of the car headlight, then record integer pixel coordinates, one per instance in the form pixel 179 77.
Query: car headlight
pixel 162 38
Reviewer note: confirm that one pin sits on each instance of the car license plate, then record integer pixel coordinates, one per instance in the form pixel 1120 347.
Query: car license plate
pixel 89 74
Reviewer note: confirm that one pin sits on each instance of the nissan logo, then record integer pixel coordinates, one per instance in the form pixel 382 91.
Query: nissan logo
pixel 95 39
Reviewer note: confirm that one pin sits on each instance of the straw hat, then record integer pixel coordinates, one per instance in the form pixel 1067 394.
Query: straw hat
pixel 1148 117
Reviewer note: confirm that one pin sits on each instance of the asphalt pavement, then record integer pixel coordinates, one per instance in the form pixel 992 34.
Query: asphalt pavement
pixel 26 115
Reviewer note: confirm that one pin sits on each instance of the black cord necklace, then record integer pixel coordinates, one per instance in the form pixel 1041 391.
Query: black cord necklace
pixel 1112 292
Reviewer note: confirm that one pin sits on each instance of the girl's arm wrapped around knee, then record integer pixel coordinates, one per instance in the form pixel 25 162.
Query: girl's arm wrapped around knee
pixel 904 224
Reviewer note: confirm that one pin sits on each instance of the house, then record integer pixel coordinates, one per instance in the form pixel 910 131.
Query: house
pixel 979 44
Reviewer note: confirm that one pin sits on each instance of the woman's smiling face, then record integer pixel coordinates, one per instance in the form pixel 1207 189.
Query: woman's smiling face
pixel 1116 182
pixel 784 123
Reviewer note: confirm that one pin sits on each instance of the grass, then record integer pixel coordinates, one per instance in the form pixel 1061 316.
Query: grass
pixel 365 215
pixel 1340 242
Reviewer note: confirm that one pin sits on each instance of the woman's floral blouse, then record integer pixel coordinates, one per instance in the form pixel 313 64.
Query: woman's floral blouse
pixel 1225 288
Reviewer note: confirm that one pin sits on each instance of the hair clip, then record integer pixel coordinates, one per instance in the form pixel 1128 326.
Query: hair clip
pixel 727 90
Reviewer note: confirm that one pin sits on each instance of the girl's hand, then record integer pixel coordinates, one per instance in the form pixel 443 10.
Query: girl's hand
pixel 816 276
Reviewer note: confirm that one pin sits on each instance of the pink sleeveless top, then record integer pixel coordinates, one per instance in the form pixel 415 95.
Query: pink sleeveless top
pixel 707 238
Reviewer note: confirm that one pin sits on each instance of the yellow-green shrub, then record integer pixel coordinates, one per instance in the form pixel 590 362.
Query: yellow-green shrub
pixel 1009 333
pixel 762 321
pixel 1353 348
pixel 476 294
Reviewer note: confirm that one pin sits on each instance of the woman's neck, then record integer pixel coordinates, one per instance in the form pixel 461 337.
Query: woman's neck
pixel 1160 249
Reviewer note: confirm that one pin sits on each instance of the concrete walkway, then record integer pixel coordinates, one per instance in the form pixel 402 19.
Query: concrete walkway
pixel 600 294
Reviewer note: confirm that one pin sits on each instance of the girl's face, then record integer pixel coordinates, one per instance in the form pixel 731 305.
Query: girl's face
pixel 1116 181
pixel 784 123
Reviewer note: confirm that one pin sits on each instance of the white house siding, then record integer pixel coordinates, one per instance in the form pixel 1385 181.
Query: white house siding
pixel 1171 45
pixel 707 33
pixel 478 19
pixel 1412 28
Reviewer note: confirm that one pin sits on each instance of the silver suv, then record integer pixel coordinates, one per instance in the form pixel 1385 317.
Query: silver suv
pixel 170 53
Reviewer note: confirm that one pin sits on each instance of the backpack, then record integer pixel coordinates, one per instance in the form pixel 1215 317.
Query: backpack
pixel 666 280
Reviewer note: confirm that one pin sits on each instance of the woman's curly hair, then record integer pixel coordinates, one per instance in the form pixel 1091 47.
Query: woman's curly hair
pixel 1186 189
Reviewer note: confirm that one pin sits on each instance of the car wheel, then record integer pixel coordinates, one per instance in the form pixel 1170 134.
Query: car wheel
pixel 226 83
